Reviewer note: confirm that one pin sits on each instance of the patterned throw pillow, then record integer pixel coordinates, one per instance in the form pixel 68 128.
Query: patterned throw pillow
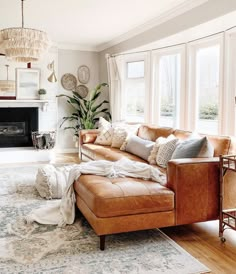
pixel 159 141
pixel 106 132
pixel 51 181
pixel 121 132
pixel 165 152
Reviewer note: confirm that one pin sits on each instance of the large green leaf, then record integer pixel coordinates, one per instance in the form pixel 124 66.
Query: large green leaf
pixel 93 109
pixel 86 111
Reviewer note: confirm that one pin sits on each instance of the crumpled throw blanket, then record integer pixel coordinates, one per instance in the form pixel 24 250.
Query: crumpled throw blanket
pixel 62 212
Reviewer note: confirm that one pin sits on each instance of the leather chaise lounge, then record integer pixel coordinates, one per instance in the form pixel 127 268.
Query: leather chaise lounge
pixel 191 192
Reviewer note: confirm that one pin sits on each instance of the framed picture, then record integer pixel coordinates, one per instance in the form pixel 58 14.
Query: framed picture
pixel 83 74
pixel 27 83
pixel 7 87
pixel 8 92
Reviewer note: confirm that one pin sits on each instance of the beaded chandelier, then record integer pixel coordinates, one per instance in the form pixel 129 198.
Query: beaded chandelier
pixel 23 44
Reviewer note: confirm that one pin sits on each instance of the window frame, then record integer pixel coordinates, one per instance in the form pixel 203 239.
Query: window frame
pixel 156 93
pixel 192 100
pixel 136 57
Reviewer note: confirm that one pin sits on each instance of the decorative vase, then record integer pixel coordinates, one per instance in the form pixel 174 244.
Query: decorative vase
pixel 42 96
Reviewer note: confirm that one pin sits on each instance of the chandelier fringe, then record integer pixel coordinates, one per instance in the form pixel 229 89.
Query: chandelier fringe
pixel 12 33
pixel 23 44
pixel 11 44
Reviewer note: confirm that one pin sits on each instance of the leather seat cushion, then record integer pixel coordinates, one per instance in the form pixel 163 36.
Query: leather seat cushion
pixel 109 197
pixel 98 152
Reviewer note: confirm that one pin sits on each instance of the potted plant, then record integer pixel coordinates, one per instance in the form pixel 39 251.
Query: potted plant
pixel 42 94
pixel 86 112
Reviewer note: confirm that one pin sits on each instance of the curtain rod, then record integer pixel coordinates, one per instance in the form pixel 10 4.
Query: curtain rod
pixel 174 45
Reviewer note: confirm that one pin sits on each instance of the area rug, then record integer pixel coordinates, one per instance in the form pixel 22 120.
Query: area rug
pixel 34 248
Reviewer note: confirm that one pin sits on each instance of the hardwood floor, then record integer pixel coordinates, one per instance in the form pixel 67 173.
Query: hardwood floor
pixel 200 240
pixel 67 158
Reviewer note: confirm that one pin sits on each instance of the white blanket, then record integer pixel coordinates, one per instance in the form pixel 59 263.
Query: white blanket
pixel 62 211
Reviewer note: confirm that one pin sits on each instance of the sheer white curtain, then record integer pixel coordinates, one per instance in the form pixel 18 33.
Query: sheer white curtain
pixel 115 67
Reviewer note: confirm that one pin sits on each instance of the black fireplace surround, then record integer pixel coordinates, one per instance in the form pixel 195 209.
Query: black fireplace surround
pixel 16 125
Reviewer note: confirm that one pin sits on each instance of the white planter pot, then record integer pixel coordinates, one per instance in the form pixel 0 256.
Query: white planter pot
pixel 42 96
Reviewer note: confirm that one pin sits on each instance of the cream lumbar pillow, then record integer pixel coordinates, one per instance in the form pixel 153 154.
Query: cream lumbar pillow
pixel 159 141
pixel 165 152
pixel 139 147
pixel 105 132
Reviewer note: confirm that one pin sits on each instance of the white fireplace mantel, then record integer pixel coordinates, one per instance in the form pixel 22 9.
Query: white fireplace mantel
pixel 25 103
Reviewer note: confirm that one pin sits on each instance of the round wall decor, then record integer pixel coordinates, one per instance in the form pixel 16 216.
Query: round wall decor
pixel 83 74
pixel 69 81
pixel 82 90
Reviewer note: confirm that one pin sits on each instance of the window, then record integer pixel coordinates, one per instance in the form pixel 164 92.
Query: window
pixel 169 87
pixel 181 86
pixel 136 89
pixel 135 69
pixel 135 92
pixel 168 66
pixel 205 86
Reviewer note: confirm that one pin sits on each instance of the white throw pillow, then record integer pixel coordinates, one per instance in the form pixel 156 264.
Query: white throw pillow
pixel 105 132
pixel 51 181
pixel 165 152
pixel 121 132
pixel 159 141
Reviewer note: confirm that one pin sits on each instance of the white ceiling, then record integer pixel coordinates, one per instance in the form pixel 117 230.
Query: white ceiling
pixel 90 24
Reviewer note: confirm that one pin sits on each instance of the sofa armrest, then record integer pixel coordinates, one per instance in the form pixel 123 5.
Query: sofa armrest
pixel 88 136
pixel 196 186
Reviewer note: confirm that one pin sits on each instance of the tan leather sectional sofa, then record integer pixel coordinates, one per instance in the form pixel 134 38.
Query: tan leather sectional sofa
pixel 191 192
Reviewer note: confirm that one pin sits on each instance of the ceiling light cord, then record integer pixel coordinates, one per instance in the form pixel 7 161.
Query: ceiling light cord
pixel 22 13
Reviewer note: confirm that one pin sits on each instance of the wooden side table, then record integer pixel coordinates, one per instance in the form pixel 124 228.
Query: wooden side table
pixel 227 216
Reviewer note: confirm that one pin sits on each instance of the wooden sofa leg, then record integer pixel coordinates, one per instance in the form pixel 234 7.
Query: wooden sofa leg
pixel 102 242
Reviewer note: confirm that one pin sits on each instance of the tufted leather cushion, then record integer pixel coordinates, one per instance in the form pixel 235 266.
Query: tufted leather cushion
pixel 109 197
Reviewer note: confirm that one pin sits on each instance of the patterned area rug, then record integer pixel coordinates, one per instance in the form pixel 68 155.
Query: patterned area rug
pixel 38 248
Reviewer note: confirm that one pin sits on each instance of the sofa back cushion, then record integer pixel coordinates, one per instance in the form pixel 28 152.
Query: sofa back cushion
pixel 151 133
pixel 182 134
pixel 232 149
pixel 220 143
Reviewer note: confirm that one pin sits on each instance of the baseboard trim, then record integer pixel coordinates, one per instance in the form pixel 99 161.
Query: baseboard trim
pixel 67 150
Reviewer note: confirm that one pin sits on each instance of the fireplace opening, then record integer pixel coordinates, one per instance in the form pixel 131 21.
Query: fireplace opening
pixel 16 126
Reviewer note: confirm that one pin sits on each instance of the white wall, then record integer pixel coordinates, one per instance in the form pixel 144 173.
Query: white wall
pixel 204 13
pixel 69 61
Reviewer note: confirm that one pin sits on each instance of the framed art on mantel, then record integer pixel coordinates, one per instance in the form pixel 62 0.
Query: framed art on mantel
pixel 27 83
pixel 7 88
